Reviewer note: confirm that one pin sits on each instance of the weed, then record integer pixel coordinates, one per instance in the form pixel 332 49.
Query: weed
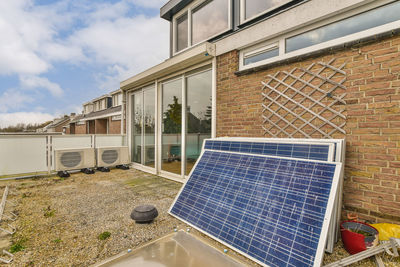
pixel 49 212
pixel 17 246
pixel 58 240
pixel 104 235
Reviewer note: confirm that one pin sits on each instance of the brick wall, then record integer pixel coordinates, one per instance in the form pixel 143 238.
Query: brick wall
pixel 101 126
pixel 80 129
pixel 114 127
pixel 372 171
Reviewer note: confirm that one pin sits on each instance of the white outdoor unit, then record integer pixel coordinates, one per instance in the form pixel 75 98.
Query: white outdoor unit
pixel 74 159
pixel 112 156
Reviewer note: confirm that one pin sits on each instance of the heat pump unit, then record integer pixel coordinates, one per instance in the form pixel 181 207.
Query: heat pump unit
pixel 112 156
pixel 74 159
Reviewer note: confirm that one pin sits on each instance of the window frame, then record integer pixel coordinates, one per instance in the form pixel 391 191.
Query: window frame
pixel 320 46
pixel 242 9
pixel 255 50
pixel 189 12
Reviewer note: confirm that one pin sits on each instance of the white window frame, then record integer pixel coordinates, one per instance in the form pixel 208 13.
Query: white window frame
pixel 254 50
pixel 332 43
pixel 243 18
pixel 189 10
pixel 196 69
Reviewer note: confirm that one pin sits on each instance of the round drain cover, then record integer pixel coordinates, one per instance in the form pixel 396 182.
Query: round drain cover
pixel 144 213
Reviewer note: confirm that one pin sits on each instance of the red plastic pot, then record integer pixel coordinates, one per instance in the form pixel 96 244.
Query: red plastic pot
pixel 355 242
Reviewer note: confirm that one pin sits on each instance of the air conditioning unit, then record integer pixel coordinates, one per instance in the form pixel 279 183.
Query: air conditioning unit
pixel 74 159
pixel 112 156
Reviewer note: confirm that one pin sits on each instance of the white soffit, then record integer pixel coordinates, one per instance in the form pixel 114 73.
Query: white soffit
pixel 292 19
pixel 188 58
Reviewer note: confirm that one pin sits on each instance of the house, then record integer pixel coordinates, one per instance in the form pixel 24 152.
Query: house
pixel 101 115
pixel 304 69
pixel 59 125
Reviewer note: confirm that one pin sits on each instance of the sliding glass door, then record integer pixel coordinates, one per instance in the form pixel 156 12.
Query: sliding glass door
pixel 168 126
pixel 198 115
pixel 143 126
pixel 171 126
pixel 137 121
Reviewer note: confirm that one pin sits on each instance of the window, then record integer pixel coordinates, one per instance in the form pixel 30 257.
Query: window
pixel 260 54
pixel 117 100
pixel 209 19
pixel 182 32
pixel 369 20
pixel 252 8
pixel 357 23
pixel 201 21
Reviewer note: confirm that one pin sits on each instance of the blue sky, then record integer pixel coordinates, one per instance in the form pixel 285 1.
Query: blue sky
pixel 57 54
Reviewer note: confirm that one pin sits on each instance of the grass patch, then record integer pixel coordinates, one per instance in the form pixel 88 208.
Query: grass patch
pixel 49 212
pixel 104 235
pixel 18 246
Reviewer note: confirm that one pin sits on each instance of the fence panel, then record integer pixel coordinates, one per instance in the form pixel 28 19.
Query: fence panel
pixel 110 140
pixel 71 141
pixel 22 155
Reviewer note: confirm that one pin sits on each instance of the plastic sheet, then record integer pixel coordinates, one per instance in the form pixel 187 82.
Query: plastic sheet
pixel 387 230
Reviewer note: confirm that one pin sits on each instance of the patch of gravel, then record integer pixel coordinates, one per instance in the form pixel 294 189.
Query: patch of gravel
pixel 60 220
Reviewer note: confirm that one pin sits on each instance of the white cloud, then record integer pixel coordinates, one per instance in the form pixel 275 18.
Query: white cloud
pixel 110 38
pixel 10 119
pixel 149 3
pixel 35 82
pixel 12 100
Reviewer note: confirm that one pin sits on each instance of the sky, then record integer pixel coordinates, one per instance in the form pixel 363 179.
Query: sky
pixel 57 54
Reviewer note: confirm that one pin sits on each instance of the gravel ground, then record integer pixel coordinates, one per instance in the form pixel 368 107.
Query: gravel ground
pixel 60 220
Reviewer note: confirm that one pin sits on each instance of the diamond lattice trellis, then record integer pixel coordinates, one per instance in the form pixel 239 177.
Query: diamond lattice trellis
pixel 305 102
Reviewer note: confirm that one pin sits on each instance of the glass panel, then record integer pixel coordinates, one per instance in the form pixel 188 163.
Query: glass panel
pixel 254 7
pixel 149 127
pixel 261 56
pixel 198 114
pixel 137 108
pixel 209 19
pixel 181 32
pixel 171 126
pixel 361 22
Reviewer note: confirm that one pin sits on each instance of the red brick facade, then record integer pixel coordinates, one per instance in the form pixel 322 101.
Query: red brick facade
pixel 372 172
pixel 100 126
pixel 80 128
pixel 114 126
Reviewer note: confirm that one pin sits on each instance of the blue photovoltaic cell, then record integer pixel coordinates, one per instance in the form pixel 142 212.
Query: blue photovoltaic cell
pixel 302 151
pixel 271 209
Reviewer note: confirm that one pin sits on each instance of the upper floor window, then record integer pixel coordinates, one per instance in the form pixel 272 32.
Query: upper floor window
pixel 356 24
pixel 116 100
pixel 253 8
pixel 201 21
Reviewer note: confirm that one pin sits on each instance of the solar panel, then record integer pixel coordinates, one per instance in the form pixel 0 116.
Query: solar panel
pixel 335 154
pixel 323 152
pixel 273 210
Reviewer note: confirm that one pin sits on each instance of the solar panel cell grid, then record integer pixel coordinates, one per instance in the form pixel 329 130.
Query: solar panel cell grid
pixel 271 209
pixel 304 151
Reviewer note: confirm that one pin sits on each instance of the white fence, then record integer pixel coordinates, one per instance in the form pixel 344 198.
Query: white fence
pixel 22 155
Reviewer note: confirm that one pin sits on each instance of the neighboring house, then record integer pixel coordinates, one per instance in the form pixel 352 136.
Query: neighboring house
pixel 101 115
pixel 330 69
pixel 59 125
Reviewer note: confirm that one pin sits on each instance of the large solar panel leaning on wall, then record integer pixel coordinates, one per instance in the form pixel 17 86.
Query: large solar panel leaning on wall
pixel 296 148
pixel 274 210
